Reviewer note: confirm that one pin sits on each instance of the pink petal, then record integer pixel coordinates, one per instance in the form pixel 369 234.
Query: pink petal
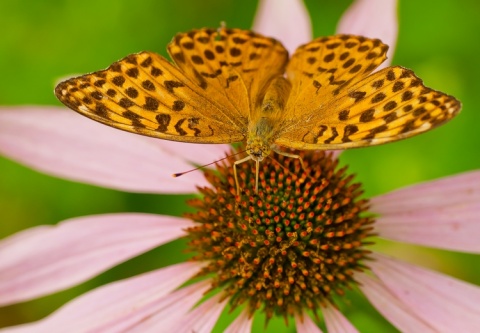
pixel 60 142
pixel 374 19
pixel 335 153
pixel 336 321
pixel 447 304
pixel 305 324
pixel 198 154
pixel 160 315
pixel 241 324
pixel 47 259
pixel 450 190
pixel 286 20
pixel 116 304
pixel 442 213
pixel 400 315
pixel 203 318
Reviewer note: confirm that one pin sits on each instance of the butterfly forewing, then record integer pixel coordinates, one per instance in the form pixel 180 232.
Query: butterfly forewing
pixel 144 93
pixel 370 114
pixel 233 66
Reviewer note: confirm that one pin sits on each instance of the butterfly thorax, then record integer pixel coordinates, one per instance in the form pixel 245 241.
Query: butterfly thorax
pixel 265 121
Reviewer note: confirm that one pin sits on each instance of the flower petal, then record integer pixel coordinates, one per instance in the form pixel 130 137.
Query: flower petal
pixel 198 154
pixel 110 306
pixel 286 20
pixel 390 306
pixel 203 318
pixel 47 259
pixel 62 143
pixel 241 324
pixel 162 314
pixel 448 304
pixel 442 213
pixel 374 19
pixel 305 324
pixel 336 321
pixel 452 190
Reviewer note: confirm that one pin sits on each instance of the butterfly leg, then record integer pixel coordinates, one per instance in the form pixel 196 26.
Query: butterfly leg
pixel 257 166
pixel 278 151
pixel 235 173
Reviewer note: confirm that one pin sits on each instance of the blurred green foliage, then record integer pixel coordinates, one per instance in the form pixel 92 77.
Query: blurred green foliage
pixel 43 41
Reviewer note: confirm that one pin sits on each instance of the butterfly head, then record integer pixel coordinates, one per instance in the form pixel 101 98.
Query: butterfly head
pixel 259 139
pixel 258 152
pixel 257 149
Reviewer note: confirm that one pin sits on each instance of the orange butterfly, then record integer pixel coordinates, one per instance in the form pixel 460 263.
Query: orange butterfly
pixel 231 85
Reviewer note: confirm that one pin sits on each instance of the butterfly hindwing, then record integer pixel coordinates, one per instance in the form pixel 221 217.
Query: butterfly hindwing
pixel 320 70
pixel 233 66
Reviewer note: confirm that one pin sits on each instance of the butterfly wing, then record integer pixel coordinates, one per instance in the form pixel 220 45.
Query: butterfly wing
pixel 336 104
pixel 146 94
pixel 235 66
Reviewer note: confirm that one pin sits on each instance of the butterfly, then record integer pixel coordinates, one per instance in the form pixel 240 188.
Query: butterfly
pixel 230 85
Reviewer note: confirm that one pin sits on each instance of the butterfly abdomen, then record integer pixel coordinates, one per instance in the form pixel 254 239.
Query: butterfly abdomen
pixel 265 118
pixel 276 96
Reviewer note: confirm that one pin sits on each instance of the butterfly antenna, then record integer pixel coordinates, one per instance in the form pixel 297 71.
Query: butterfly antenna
pixel 222 26
pixel 203 166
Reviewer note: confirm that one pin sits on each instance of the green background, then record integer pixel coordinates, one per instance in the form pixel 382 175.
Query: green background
pixel 42 41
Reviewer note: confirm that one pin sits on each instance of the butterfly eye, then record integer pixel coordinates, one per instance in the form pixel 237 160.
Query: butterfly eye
pixel 257 154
